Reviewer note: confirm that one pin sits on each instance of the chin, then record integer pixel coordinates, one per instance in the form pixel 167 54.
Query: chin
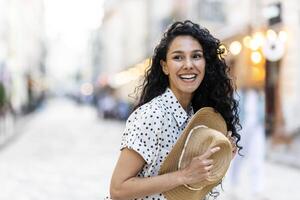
pixel 189 90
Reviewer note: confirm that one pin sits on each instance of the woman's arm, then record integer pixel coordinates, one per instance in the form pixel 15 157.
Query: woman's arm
pixel 125 185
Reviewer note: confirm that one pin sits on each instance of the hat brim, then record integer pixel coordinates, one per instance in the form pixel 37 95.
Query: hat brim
pixel 208 117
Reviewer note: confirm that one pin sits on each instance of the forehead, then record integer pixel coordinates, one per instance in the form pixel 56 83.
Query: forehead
pixel 184 43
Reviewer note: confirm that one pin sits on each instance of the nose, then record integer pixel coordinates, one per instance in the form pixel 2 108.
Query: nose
pixel 188 64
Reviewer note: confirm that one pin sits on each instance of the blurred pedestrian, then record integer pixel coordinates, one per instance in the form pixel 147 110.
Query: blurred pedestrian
pixel 187 73
pixel 107 104
pixel 253 141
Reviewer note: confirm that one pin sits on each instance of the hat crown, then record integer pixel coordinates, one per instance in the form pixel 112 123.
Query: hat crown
pixel 207 128
pixel 208 138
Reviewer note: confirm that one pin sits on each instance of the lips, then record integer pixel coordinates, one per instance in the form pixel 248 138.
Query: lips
pixel 188 77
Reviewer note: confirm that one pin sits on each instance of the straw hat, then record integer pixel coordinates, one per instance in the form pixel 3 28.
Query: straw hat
pixel 207 128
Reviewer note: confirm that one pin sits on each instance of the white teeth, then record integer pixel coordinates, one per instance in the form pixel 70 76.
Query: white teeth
pixel 188 76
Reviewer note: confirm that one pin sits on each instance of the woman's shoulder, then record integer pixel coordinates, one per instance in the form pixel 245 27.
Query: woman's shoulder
pixel 153 107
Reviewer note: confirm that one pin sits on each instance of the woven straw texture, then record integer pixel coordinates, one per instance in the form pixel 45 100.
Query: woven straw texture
pixel 200 138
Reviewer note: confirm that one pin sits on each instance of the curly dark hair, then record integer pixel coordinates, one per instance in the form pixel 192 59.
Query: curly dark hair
pixel 217 88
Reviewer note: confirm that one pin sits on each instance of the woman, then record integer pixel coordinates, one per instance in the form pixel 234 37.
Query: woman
pixel 187 73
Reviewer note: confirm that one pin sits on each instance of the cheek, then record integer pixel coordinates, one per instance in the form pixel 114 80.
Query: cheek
pixel 173 67
pixel 172 77
pixel 201 66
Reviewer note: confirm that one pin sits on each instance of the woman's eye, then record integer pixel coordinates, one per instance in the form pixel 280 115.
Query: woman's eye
pixel 197 56
pixel 178 57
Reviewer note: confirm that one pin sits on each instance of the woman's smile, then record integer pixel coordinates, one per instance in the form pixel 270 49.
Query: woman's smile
pixel 188 77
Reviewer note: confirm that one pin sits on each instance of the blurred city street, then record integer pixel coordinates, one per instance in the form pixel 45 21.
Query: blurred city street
pixel 65 152
pixel 70 73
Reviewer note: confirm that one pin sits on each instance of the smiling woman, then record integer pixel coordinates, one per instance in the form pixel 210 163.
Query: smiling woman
pixel 186 74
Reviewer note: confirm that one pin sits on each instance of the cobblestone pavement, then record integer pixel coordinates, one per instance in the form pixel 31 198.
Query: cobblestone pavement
pixel 64 152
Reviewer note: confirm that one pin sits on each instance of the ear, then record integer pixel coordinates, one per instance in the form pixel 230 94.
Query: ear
pixel 164 67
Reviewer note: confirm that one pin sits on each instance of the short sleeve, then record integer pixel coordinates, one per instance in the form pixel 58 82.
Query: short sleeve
pixel 143 132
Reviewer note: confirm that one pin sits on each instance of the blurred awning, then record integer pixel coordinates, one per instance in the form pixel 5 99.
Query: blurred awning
pixel 131 74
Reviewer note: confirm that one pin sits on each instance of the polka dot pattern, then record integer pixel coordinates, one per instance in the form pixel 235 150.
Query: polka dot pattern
pixel 152 130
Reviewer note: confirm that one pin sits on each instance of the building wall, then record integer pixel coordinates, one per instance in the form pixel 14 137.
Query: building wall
pixel 25 36
pixel 289 80
pixel 123 35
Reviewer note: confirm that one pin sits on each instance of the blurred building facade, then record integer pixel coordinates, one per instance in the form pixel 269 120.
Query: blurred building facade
pixel 22 51
pixel 132 28
pixel 22 67
pixel 269 60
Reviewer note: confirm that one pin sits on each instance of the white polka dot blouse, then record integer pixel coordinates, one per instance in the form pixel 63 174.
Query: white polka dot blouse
pixel 152 130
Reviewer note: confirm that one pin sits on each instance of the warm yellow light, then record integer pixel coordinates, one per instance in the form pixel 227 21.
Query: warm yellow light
pixel 256 57
pixel 258 73
pixel 246 41
pixel 142 66
pixel 131 74
pixel 255 44
pixel 259 38
pixel 283 36
pixel 271 34
pixel 235 47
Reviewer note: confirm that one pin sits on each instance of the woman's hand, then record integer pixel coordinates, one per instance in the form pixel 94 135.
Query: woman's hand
pixel 199 168
pixel 233 144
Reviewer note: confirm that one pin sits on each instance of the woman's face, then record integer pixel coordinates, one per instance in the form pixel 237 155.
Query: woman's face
pixel 184 65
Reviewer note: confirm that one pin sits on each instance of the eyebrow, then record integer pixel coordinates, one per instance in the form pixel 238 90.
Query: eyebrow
pixel 179 51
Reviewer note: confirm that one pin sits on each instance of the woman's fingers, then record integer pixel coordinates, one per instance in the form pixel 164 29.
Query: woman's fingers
pixel 209 152
pixel 201 166
pixel 207 162
pixel 208 168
